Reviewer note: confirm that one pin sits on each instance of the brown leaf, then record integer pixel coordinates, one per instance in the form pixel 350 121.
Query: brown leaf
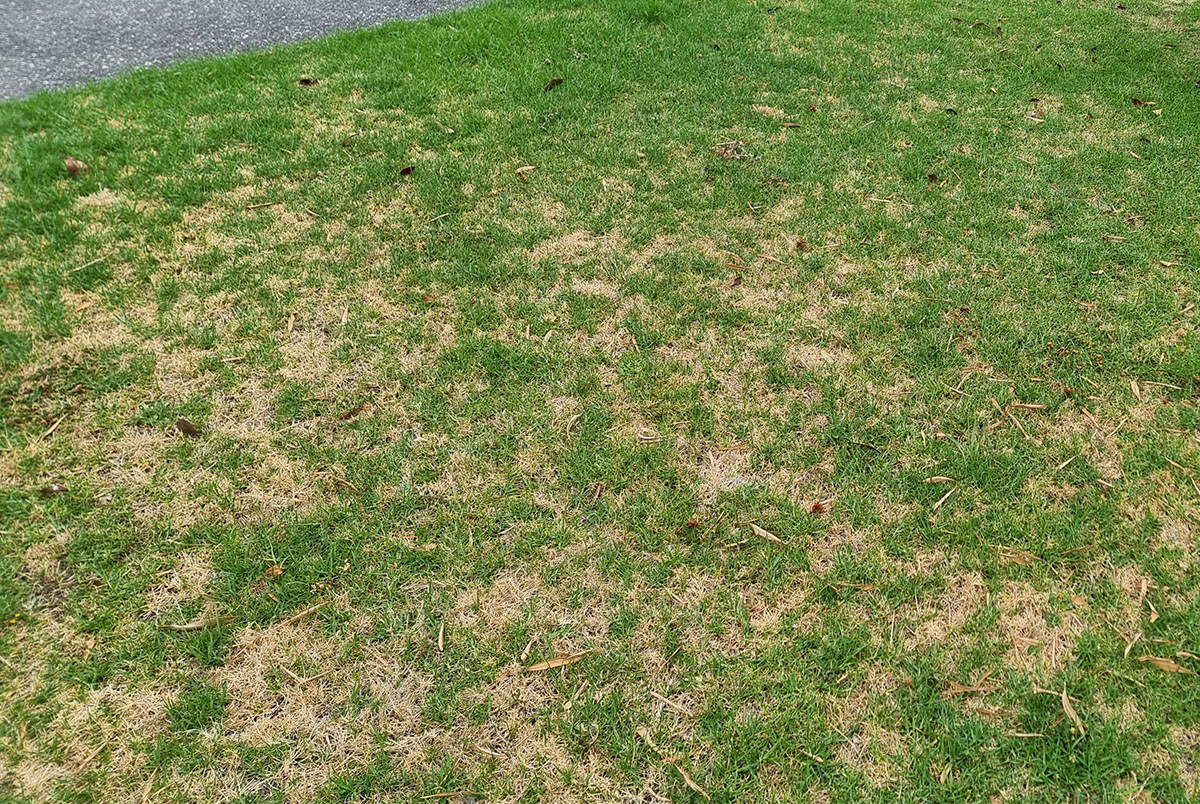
pixel 801 244
pixel 407 170
pixel 197 625
pixel 819 507
pixel 524 171
pixel 74 166
pixel 1166 665
pixel 732 149
pixel 693 523
pixel 1137 389
pixel 1137 102
pixel 354 411
pixel 556 661
pixel 274 571
pixel 53 489
pixel 766 534
pixel 186 427
pixel 1070 712
pixel 551 84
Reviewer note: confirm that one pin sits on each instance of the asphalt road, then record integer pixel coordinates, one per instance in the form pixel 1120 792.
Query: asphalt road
pixel 54 43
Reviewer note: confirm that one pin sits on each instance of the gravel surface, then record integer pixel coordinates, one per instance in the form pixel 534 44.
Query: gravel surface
pixel 54 43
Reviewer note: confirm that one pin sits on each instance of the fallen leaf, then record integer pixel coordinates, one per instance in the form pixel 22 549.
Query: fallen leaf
pixel 523 172
pixel 1070 712
pixel 197 625
pixel 555 661
pixel 406 170
pixel 1137 389
pixel 1166 665
pixel 732 149
pixel 1137 102
pixel 819 507
pixel 74 166
pixel 801 244
pixel 939 479
pixel 766 534
pixel 551 84
pixel 53 489
pixel 354 411
pixel 693 523
pixel 274 571
pixel 186 427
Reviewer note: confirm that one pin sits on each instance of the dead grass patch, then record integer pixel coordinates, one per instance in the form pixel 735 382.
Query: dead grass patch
pixel 1035 644
pixel 964 594
pixel 577 247
pixel 874 751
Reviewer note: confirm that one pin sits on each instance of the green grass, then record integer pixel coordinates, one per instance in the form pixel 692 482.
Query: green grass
pixel 934 333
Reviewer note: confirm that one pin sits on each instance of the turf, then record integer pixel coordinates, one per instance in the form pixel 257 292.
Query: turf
pixel 795 402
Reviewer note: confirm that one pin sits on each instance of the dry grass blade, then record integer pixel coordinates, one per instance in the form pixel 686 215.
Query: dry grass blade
pixel 945 497
pixel 690 782
pixel 302 614
pixel 668 702
pixel 939 479
pixel 960 689
pixel 555 661
pixel 450 794
pixel 54 426
pixel 1011 418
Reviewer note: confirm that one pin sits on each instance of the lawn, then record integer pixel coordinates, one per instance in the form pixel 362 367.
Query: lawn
pixel 612 401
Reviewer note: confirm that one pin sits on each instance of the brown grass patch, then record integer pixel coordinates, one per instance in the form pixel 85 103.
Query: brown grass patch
pixel 962 597
pixel 1188 741
pixel 188 580
pixel 98 200
pixel 1035 645
pixel 875 751
pixel 576 248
